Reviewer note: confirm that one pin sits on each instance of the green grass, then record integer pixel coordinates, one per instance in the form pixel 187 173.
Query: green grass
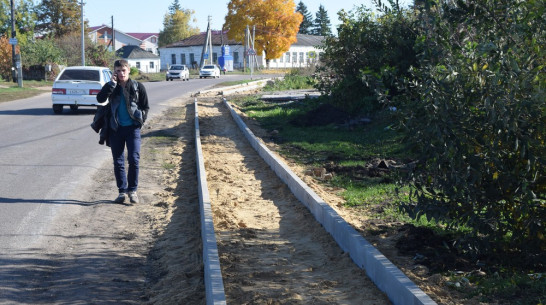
pixel 346 148
pixel 317 144
pixel 10 91
pixel 292 81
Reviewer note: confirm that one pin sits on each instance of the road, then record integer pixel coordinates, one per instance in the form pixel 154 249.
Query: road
pixel 47 159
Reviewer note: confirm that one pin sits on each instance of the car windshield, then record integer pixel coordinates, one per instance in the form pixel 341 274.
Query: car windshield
pixel 208 67
pixel 75 74
pixel 176 68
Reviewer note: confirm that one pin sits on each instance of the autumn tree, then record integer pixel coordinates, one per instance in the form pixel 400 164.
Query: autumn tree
pixel 322 23
pixel 307 22
pixel 5 58
pixel 276 23
pixel 176 25
pixel 58 17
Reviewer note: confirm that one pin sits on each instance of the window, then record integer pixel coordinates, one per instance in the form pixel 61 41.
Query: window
pixel 82 74
pixel 287 57
pixel 235 57
pixel 183 59
pixel 214 57
pixel 301 57
pixel 295 57
pixel 192 59
pixel 151 64
pixel 173 59
pixel 153 39
pixel 281 59
pixel 138 64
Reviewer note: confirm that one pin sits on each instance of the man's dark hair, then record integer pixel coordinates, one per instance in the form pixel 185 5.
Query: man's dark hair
pixel 121 63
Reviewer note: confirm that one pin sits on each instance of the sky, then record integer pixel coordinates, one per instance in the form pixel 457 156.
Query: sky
pixel 147 16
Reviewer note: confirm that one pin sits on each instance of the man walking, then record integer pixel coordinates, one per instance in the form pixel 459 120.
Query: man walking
pixel 128 108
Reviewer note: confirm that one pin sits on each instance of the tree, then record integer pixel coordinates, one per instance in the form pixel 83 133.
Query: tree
pixel 5 58
pixel 322 23
pixel 367 54
pixel 176 26
pixel 25 18
pixel 58 17
pixel 307 22
pixel 475 114
pixel 276 23
pixel 173 8
pixel 42 51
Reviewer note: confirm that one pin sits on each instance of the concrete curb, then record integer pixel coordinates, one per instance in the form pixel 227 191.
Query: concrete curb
pixel 386 276
pixel 258 84
pixel 214 285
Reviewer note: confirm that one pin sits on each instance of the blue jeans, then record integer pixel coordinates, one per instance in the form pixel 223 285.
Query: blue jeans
pixel 126 136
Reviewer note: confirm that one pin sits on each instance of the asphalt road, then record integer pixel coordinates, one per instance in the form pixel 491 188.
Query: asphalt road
pixel 46 158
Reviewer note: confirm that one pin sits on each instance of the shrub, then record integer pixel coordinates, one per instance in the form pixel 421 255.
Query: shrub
pixel 475 112
pixel 368 54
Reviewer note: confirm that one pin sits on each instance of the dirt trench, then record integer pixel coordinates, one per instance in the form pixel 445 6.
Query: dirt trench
pixel 272 250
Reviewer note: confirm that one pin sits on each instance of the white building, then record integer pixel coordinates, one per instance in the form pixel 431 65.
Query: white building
pixel 114 38
pixel 145 61
pixel 301 54
pixel 188 51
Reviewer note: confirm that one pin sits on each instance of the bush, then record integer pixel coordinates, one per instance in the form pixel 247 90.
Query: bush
pixel 475 112
pixel 134 72
pixel 368 54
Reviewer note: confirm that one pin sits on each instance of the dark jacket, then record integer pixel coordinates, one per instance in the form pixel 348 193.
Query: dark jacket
pixel 135 97
pixel 100 124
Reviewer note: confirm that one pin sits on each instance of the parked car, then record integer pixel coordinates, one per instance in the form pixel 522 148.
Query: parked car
pixel 178 72
pixel 78 86
pixel 209 71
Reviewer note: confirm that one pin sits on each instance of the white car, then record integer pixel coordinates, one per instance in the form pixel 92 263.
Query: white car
pixel 209 71
pixel 78 86
pixel 178 72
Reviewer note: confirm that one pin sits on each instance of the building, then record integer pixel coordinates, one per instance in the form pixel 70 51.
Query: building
pixel 143 60
pixel 116 39
pixel 301 54
pixel 188 51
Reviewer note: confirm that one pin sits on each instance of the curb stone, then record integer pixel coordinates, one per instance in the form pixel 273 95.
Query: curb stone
pixel 386 276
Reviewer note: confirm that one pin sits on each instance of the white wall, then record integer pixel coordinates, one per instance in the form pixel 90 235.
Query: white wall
pixel 146 64
pixel 303 58
pixel 166 55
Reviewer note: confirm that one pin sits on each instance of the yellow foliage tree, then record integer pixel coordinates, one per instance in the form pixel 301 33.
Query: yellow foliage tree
pixel 6 57
pixel 276 23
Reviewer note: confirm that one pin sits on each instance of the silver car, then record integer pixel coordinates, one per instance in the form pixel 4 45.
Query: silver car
pixel 209 71
pixel 78 86
pixel 178 72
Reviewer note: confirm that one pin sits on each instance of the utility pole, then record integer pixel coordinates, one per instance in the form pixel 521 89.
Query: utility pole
pixel 17 67
pixel 113 36
pixel 83 37
pixel 245 53
pixel 208 42
pixel 13 73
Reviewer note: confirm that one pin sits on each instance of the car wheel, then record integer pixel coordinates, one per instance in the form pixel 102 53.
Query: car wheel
pixel 73 107
pixel 57 109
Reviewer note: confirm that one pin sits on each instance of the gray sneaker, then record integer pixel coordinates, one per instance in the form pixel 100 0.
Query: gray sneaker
pixel 121 198
pixel 133 197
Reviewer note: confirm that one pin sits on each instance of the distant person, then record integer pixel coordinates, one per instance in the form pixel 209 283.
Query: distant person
pixel 123 117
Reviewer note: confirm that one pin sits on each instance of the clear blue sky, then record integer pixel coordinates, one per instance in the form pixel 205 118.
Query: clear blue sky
pixel 147 16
